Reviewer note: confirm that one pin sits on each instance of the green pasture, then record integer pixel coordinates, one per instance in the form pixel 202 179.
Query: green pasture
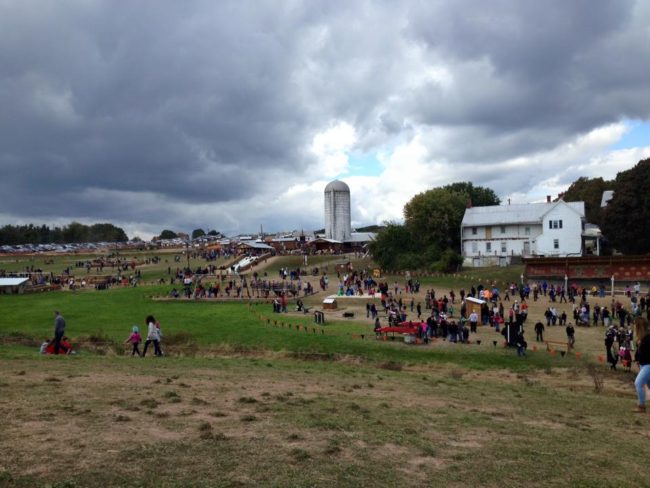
pixel 110 315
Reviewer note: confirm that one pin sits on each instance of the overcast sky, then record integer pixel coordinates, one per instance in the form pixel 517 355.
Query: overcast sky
pixel 227 115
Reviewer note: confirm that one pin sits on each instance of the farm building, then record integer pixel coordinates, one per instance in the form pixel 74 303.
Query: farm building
pixel 495 234
pixel 13 286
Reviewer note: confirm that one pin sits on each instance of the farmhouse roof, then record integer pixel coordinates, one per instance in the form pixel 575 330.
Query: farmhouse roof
pixel 527 213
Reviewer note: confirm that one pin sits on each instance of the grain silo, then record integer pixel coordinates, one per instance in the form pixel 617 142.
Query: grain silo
pixel 338 225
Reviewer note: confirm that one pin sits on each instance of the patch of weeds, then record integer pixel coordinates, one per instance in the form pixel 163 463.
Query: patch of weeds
pixel 63 484
pixel 184 385
pixel 429 451
pixel 186 413
pixel 218 414
pixel 149 403
pixel 172 395
pixel 212 436
pixel 456 374
pixel 132 408
pixel 175 400
pixel 300 454
pixel 157 382
pixel 175 377
pixel 356 386
pixel 384 405
pixel 333 447
pixel 47 416
pixel 269 365
pixel 6 476
pixel 198 401
pixel 370 385
pixel 247 400
pixel 21 373
pixel 121 418
pixel 294 437
pixel 391 365
pixel 168 380
pixel 597 376
pixel 248 418
pixel 52 379
pixel 266 394
pixel 162 415
pixel 204 426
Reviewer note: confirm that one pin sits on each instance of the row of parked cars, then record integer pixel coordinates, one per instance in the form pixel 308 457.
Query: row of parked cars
pixel 65 248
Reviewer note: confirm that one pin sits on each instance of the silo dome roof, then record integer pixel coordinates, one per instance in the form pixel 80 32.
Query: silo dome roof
pixel 337 185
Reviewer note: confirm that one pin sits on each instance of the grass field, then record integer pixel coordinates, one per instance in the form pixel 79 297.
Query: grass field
pixel 243 400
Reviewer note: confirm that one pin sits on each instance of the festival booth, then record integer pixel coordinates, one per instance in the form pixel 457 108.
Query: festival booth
pixel 330 303
pixel 474 305
pixel 13 286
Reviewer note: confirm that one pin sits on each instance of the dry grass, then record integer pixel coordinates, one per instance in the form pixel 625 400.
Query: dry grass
pixel 310 423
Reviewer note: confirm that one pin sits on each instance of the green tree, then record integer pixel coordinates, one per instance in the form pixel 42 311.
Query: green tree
pixel 197 233
pixel 625 218
pixel 391 243
pixel 590 191
pixel 75 232
pixel 106 232
pixel 434 216
pixel 479 196
pixel 168 234
pixel 213 233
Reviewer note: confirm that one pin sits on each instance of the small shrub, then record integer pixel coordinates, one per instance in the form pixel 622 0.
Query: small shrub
pixel 300 454
pixel 198 401
pixel 597 376
pixel 149 403
pixel 247 400
pixel 391 366
pixel 248 418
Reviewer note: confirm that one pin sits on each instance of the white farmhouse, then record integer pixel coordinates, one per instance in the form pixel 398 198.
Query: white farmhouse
pixel 494 235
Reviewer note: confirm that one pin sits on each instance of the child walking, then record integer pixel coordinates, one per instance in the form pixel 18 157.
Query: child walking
pixel 135 338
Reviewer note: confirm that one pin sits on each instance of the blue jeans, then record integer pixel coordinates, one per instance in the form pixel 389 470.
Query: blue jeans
pixel 642 379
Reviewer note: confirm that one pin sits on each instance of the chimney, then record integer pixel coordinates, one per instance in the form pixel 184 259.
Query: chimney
pixel 548 198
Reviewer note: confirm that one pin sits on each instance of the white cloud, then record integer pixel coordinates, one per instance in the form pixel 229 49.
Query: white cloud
pixel 331 149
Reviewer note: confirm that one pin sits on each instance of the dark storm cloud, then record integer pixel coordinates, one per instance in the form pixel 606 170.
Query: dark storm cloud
pixel 144 111
pixel 535 65
pixel 191 104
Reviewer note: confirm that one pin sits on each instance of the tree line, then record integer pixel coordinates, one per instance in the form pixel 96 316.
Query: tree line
pixel 72 233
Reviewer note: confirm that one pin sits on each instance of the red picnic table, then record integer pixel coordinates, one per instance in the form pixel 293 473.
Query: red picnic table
pixel 398 330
